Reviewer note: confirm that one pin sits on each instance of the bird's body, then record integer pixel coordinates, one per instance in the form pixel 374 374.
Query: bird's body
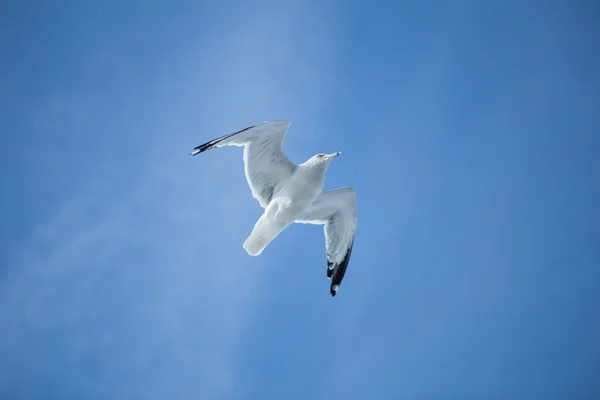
pixel 292 198
pixel 293 193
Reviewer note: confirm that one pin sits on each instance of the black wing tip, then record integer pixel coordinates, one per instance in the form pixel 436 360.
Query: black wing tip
pixel 211 145
pixel 330 269
pixel 206 146
pixel 201 149
pixel 338 271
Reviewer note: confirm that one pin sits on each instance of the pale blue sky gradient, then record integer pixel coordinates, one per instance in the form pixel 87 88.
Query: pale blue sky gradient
pixel 470 131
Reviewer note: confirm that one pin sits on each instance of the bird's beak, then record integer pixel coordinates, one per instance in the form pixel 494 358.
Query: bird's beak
pixel 333 155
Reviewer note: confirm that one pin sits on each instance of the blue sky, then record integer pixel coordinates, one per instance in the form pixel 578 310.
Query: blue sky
pixel 469 131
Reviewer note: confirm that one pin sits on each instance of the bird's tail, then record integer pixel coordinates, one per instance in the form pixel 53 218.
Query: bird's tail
pixel 255 244
pixel 267 228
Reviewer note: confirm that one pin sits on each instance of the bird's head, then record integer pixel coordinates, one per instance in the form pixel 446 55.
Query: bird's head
pixel 322 159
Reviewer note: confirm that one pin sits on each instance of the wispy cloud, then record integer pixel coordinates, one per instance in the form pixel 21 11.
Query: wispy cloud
pixel 144 291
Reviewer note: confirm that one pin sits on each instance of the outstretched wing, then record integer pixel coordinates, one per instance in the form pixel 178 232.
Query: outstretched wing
pixel 336 209
pixel 266 165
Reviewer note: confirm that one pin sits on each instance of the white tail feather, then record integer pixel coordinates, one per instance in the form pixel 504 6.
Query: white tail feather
pixel 255 245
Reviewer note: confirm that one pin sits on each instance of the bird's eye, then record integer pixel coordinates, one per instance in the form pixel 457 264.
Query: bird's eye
pixel 320 155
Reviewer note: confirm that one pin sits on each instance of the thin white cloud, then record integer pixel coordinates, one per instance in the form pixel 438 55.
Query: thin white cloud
pixel 157 271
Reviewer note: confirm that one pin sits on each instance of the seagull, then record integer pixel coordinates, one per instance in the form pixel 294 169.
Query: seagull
pixel 293 193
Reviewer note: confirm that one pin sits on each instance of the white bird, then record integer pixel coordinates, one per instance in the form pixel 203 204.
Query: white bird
pixel 293 193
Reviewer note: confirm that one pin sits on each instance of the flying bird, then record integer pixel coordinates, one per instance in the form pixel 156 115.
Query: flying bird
pixel 293 193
